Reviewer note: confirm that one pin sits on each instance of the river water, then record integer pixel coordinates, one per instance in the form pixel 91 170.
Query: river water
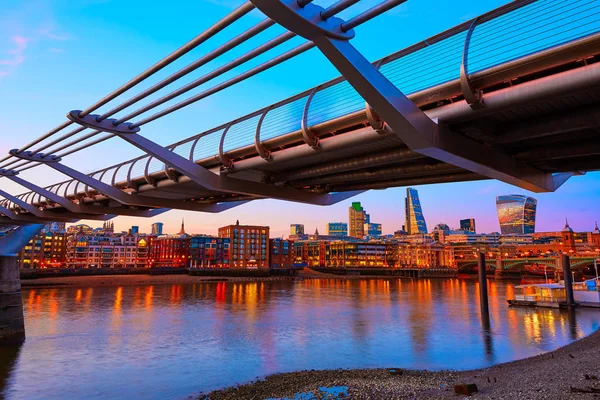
pixel 173 341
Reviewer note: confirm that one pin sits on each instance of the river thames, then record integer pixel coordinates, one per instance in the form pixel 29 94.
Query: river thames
pixel 174 341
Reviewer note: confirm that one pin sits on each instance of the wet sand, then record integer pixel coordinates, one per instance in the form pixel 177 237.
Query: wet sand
pixel 561 374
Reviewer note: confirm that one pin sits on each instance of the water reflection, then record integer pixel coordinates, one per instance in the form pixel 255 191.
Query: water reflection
pixel 202 336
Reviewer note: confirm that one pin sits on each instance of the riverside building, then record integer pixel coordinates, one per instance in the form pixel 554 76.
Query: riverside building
pixel 248 245
pixel 48 249
pixel 107 250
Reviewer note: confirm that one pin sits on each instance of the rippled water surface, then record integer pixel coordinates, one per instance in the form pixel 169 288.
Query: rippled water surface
pixel 173 341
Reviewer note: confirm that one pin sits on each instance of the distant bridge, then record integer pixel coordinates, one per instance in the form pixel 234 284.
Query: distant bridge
pixel 520 263
pixel 510 95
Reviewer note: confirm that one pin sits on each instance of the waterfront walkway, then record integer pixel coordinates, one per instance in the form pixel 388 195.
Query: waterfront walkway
pixel 560 374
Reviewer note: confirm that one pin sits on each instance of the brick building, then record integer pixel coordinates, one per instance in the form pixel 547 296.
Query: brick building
pixel 281 253
pixel 248 245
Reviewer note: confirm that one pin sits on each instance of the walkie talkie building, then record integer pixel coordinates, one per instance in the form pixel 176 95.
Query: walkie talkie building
pixel 516 214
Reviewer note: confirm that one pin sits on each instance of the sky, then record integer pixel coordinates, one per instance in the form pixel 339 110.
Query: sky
pixel 59 55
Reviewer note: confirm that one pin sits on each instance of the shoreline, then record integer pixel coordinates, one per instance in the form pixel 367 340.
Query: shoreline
pixel 178 279
pixel 567 372
pixel 135 280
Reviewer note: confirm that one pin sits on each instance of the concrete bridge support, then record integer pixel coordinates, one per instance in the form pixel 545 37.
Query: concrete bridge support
pixel 566 264
pixel 483 291
pixel 12 324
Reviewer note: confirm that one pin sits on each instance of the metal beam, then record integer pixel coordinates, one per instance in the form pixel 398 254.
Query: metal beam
pixel 393 156
pixel 552 124
pixel 28 219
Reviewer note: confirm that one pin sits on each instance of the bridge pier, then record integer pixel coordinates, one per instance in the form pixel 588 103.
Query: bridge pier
pixel 483 292
pixel 566 264
pixel 12 324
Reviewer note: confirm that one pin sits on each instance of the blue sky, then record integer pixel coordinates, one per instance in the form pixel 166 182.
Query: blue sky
pixel 59 55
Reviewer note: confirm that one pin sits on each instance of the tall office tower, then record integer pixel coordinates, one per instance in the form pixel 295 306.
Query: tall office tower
pixel 296 229
pixel 415 222
pixel 467 225
pixel 356 220
pixel 516 214
pixel 135 229
pixel 157 228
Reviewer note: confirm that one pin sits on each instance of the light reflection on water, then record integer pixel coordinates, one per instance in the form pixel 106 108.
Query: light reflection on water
pixel 171 341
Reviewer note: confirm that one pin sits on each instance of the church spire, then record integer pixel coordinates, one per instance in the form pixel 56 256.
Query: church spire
pixel 182 231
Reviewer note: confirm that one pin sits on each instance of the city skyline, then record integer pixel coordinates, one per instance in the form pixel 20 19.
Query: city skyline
pixel 581 217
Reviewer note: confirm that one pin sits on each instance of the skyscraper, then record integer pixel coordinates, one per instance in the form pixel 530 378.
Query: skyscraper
pixel 516 214
pixel 296 229
pixel 467 225
pixel 157 228
pixel 356 220
pixel 415 222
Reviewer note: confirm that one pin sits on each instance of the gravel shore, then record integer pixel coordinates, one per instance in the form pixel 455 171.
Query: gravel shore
pixel 565 373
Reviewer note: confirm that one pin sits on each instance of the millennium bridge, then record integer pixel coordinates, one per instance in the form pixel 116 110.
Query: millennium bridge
pixel 511 95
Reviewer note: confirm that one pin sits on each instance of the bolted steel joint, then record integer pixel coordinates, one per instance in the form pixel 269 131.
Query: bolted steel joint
pixel 8 172
pixel 305 21
pixel 93 121
pixel 37 157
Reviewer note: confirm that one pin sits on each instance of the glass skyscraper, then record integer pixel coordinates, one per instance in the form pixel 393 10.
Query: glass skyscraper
pixel 467 225
pixel 516 214
pixel 415 222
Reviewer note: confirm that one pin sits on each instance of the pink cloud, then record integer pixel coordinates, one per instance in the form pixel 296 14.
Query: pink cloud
pixel 17 52
pixel 49 34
